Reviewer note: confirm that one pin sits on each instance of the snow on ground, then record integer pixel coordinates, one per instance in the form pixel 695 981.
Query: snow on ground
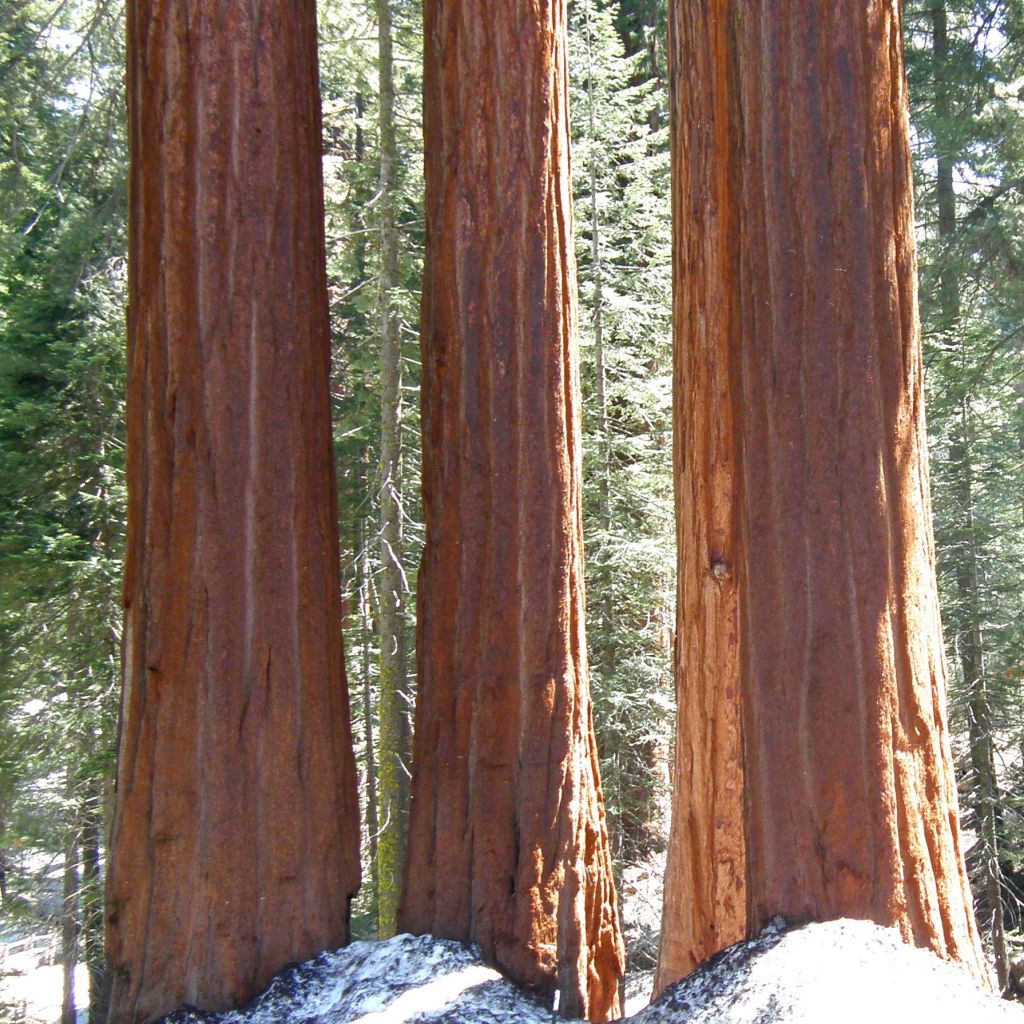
pixel 405 979
pixel 843 972
pixel 840 972
pixel 31 989
pixel 642 892
pixel 639 985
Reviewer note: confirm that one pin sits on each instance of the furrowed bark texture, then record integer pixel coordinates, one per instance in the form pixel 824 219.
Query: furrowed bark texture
pixel 851 807
pixel 705 876
pixel 235 840
pixel 508 846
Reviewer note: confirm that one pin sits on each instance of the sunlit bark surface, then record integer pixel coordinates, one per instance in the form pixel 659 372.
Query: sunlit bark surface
pixel 705 881
pixel 795 230
pixel 235 843
pixel 508 846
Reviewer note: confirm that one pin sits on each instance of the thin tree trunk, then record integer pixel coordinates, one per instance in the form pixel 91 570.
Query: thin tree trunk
pixel 795 216
pixel 705 876
pixel 603 484
pixel 1020 418
pixel 372 822
pixel 605 666
pixel 92 903
pixel 945 194
pixel 971 648
pixel 970 642
pixel 69 924
pixel 393 775
pixel 94 820
pixel 363 549
pixel 235 846
pixel 971 651
pixel 508 846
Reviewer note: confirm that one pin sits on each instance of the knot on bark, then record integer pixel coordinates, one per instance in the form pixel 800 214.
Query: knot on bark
pixel 721 569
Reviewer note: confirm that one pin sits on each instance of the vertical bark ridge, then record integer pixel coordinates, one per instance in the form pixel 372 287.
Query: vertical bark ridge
pixel 235 842
pixel 508 843
pixel 705 901
pixel 850 801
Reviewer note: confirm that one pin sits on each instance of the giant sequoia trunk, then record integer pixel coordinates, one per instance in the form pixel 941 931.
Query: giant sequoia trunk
pixel 235 842
pixel 705 880
pixel 507 845
pixel 803 490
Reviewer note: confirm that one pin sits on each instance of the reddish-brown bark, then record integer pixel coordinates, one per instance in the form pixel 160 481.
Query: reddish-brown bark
pixel 705 878
pixel 794 219
pixel 507 845
pixel 235 844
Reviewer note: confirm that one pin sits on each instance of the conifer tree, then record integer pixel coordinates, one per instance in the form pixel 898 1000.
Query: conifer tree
pixel 394 725
pixel 964 62
pixel 61 471
pixel 621 189
pixel 376 299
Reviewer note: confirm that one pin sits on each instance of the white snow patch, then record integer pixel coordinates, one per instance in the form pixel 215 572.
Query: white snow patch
pixel 32 986
pixel 642 891
pixel 638 988
pixel 435 995
pixel 404 980
pixel 842 972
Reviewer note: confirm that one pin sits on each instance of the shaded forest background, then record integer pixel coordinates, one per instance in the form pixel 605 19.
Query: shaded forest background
pixel 63 200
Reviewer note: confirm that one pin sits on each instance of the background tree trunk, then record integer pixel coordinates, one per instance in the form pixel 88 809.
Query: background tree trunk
pixel 604 660
pixel 392 754
pixel 508 846
pixel 851 806
pixel 92 901
pixel 970 641
pixel 366 616
pixel 70 919
pixel 705 875
pixel 604 433
pixel 236 834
